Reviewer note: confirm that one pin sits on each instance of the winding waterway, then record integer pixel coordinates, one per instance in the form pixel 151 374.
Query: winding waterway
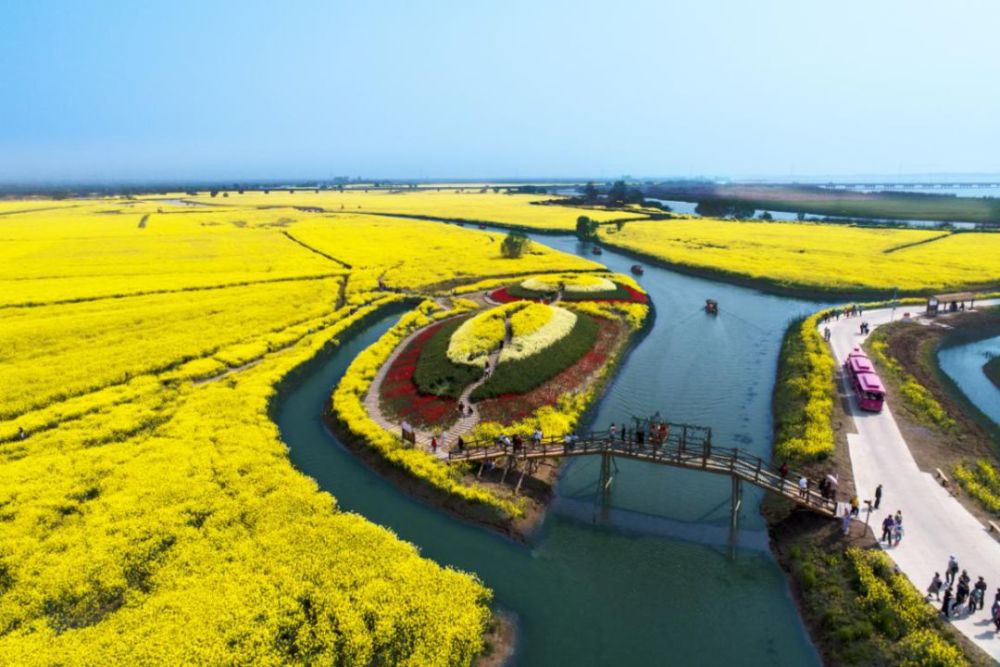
pixel 964 365
pixel 651 581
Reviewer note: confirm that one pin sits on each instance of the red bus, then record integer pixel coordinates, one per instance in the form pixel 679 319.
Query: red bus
pixel 867 385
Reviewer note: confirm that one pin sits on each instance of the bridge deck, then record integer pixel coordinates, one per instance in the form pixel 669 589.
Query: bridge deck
pixel 675 451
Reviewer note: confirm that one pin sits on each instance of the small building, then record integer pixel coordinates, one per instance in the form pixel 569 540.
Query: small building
pixel 950 303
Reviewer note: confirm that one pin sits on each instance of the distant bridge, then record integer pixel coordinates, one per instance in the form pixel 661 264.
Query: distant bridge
pixel 684 446
pixel 925 185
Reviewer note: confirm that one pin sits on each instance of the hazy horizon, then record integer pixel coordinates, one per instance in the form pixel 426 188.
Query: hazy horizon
pixel 487 91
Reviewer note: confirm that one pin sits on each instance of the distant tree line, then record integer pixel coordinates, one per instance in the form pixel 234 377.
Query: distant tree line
pixel 725 208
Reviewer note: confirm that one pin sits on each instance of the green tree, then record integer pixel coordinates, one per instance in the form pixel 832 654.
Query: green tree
pixel 514 245
pixel 617 194
pixel 590 192
pixel 586 228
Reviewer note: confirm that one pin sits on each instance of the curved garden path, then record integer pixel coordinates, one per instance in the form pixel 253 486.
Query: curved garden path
pixel 937 525
pixel 447 437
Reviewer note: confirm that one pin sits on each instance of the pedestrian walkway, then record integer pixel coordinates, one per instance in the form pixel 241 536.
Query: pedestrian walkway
pixel 936 524
pixel 446 439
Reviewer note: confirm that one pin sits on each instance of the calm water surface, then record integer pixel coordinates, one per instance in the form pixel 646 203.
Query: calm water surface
pixel 652 580
pixel 964 364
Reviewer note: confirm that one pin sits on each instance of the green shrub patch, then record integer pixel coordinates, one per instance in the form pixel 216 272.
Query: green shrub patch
pixel 437 374
pixel 617 294
pixel 523 375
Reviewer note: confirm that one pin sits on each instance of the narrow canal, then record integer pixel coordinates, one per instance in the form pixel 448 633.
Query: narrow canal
pixel 963 363
pixel 651 582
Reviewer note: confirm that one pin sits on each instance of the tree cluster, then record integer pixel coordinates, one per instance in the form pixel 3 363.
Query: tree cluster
pixel 514 245
pixel 725 208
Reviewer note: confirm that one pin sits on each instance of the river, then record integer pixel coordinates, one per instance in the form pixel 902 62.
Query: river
pixel 963 363
pixel 688 208
pixel 651 581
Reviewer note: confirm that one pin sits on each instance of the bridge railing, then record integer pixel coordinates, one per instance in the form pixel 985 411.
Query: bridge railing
pixel 674 450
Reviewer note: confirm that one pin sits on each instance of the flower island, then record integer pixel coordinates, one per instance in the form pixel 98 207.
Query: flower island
pixel 489 361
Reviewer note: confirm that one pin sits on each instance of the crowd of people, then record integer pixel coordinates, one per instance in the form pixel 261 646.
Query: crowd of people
pixel 958 595
pixel 854 310
pixel 967 598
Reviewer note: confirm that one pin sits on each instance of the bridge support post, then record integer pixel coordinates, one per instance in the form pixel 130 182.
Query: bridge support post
pixel 528 467
pixel 735 502
pixel 510 464
pixel 605 478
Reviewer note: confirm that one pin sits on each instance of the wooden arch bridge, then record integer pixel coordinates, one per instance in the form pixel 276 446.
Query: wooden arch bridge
pixel 676 445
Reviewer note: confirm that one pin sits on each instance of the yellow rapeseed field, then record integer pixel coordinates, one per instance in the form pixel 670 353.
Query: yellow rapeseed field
pixel 430 254
pixel 100 250
pixel 817 256
pixel 470 205
pixel 149 514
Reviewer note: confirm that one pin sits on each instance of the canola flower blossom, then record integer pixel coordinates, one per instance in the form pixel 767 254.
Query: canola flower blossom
pixel 558 326
pixel 529 319
pixel 478 336
pixel 821 257
pixel 151 515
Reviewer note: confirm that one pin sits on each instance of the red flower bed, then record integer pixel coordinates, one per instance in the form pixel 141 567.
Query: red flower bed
pixel 400 397
pixel 635 296
pixel 502 295
pixel 510 408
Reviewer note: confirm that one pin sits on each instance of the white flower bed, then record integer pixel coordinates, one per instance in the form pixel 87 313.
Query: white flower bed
pixel 557 328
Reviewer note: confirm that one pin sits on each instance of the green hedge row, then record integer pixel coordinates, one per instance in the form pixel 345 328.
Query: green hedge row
pixel 619 294
pixel 437 374
pixel 523 375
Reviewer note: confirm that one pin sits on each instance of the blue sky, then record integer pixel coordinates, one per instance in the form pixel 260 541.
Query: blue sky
pixel 109 90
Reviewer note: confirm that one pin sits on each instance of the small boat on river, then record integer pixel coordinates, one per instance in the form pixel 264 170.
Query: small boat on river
pixel 597 250
pixel 637 269
pixel 711 306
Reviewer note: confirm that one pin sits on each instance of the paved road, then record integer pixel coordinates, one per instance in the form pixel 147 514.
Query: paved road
pixel 936 525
